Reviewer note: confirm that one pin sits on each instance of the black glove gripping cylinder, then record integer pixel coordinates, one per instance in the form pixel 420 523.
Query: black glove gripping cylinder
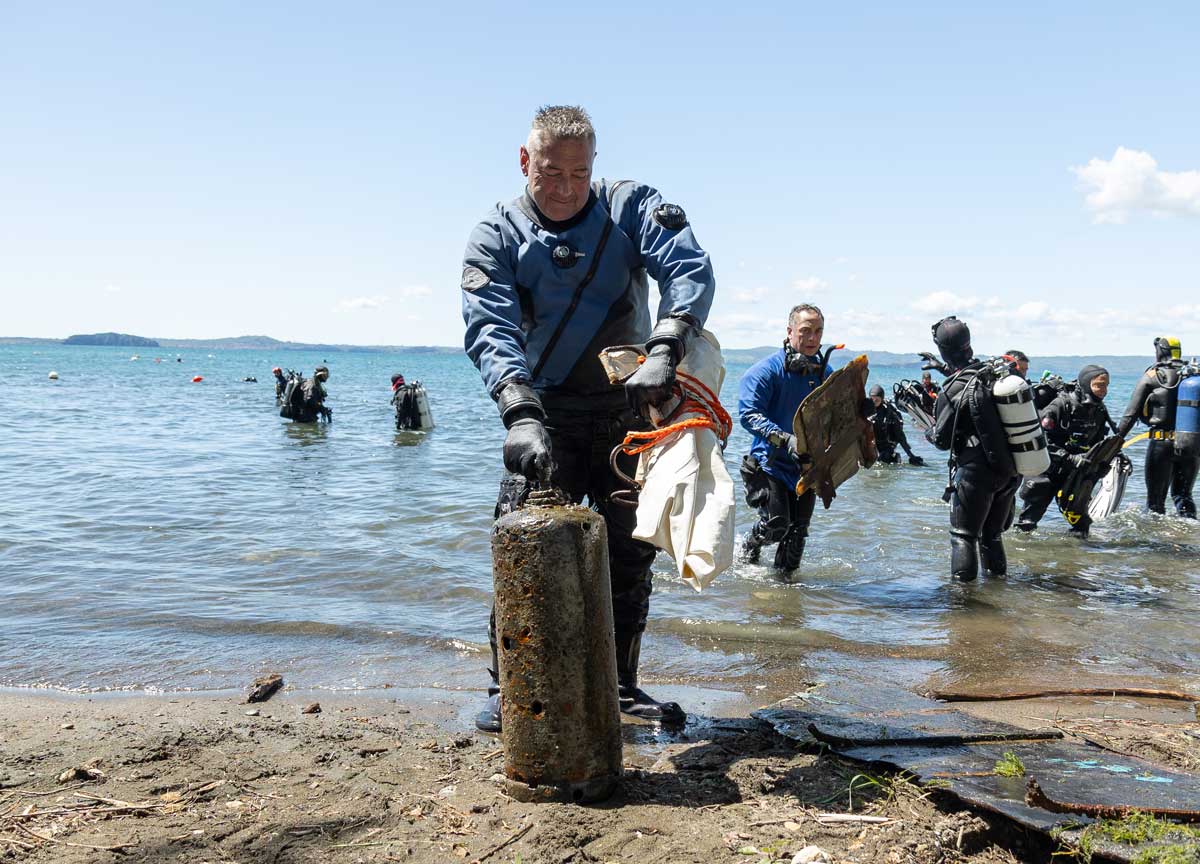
pixel 558 666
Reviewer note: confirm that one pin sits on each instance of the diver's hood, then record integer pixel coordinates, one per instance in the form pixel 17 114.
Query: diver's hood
pixel 876 390
pixel 1166 349
pixel 1083 384
pixel 953 340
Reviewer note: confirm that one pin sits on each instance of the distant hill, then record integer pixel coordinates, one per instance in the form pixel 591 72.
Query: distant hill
pixel 122 339
pixel 839 358
pixel 266 343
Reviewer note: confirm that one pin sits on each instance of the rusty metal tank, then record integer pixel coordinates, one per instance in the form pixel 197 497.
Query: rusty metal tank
pixel 558 670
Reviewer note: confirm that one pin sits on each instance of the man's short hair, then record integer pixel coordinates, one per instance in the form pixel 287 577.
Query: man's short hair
pixel 1016 355
pixel 556 122
pixel 800 308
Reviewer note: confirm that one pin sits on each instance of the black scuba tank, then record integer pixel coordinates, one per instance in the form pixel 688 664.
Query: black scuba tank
pixel 1163 401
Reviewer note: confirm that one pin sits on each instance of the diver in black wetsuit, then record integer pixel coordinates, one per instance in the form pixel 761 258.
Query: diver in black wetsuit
pixel 889 429
pixel 929 391
pixel 1074 421
pixel 304 398
pixel 983 478
pixel 1154 402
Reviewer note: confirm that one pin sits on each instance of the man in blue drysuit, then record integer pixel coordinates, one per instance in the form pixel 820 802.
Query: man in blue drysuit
pixel 770 392
pixel 549 280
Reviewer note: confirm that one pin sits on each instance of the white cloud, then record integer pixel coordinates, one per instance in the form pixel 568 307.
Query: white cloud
pixel 416 291
pixel 944 303
pixel 751 295
pixel 1132 181
pixel 809 285
pixel 113 289
pixel 374 302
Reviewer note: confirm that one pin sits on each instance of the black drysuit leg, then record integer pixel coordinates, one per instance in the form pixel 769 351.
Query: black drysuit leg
pixel 1037 493
pixel 981 510
pixel 581 443
pixel 783 518
pixel 1167 471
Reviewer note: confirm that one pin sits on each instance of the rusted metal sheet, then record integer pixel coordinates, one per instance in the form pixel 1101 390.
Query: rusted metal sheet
pixel 939 744
pixel 558 669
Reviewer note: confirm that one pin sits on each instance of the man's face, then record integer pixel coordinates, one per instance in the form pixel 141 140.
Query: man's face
pixel 1023 368
pixel 560 175
pixel 1100 387
pixel 926 379
pixel 878 400
pixel 804 333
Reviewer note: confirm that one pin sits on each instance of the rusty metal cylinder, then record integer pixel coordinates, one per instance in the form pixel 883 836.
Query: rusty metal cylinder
pixel 560 715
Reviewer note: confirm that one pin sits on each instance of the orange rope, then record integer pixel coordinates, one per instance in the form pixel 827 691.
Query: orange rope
pixel 697 399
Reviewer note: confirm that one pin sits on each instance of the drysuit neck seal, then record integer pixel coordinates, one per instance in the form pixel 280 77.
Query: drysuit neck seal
pixel 801 364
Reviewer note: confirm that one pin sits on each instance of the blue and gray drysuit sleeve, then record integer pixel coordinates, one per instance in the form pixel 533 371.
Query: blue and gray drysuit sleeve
pixel 671 255
pixel 755 395
pixel 491 306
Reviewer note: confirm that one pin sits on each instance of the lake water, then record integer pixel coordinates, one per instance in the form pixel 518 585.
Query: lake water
pixel 160 534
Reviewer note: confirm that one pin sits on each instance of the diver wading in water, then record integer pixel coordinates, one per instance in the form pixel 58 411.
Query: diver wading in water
pixel 984 449
pixel 411 405
pixel 769 396
pixel 1074 422
pixel 304 398
pixel 889 429
pixel 549 280
pixel 1165 399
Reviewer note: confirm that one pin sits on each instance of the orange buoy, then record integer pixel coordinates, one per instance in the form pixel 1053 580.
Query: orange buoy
pixel 197 379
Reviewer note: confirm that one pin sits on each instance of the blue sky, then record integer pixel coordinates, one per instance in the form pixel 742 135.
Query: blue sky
pixel 312 173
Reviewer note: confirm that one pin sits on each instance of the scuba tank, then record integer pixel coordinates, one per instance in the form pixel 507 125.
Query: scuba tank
pixel 1026 440
pixel 292 395
pixel 1048 389
pixel 423 409
pixel 1187 418
pixel 1161 404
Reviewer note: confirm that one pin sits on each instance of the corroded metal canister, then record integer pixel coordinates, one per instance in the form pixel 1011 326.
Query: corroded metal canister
pixel 560 715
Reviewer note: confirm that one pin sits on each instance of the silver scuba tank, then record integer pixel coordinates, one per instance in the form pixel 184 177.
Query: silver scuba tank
pixel 1026 440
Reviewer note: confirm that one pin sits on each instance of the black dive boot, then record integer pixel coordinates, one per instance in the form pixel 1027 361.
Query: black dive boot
pixel 993 557
pixel 964 557
pixel 488 720
pixel 634 701
pixel 790 551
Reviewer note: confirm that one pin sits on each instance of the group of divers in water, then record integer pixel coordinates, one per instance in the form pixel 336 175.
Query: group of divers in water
pixel 303 399
pixel 1052 439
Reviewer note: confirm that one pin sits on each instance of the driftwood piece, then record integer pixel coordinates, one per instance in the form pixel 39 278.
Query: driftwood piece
pixel 1142 692
pixel 1035 796
pixel 262 689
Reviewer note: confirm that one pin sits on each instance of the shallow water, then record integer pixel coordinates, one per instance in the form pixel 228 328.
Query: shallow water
pixel 159 534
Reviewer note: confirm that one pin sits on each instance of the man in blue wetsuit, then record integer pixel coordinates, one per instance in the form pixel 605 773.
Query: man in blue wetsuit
pixel 549 280
pixel 768 397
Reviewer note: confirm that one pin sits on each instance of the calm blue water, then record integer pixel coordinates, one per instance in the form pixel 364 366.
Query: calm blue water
pixel 160 534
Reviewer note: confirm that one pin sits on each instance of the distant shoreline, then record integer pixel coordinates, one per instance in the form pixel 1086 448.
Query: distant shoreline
pixel 266 343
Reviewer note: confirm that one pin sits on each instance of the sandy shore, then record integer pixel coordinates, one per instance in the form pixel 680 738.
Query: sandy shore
pixel 381 778
pixel 372 778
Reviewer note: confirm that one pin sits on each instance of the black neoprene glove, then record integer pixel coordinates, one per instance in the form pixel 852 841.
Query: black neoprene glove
pixel 932 362
pixel 913 459
pixel 527 450
pixel 652 383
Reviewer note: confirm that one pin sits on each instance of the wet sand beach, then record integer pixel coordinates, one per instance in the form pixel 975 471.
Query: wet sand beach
pixel 380 777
